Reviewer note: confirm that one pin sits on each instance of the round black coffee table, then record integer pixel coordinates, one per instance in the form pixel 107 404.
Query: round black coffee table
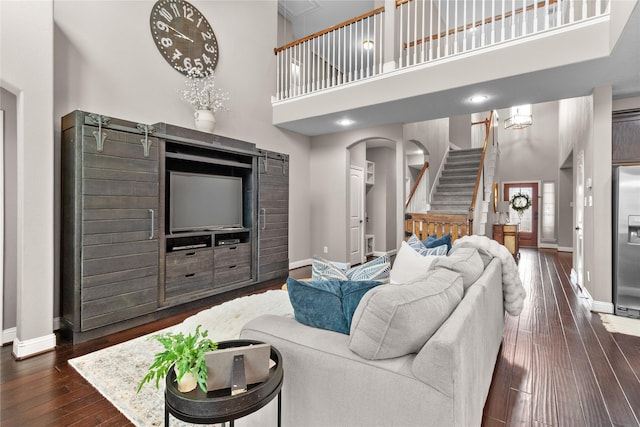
pixel 219 406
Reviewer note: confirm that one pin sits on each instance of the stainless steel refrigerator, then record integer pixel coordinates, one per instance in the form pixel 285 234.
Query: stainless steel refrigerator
pixel 626 240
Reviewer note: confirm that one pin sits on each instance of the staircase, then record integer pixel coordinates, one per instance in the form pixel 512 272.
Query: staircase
pixel 463 191
pixel 454 190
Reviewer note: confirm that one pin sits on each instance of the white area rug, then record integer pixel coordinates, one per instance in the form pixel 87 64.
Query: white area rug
pixel 621 324
pixel 116 371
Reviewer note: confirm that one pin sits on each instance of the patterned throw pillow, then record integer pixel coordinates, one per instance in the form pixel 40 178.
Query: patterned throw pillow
pixel 438 250
pixel 422 249
pixel 321 269
pixel 376 269
pixel 417 245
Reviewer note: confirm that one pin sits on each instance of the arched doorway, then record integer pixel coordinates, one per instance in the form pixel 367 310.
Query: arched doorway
pixel 377 201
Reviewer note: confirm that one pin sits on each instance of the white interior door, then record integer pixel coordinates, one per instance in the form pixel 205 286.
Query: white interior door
pixel 356 215
pixel 579 213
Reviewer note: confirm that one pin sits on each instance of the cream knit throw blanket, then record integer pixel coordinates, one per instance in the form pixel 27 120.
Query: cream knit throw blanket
pixel 512 290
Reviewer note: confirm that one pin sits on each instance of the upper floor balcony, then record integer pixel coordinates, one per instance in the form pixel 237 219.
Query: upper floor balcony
pixel 413 60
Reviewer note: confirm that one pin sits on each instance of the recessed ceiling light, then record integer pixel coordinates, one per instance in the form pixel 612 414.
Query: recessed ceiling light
pixel 367 44
pixel 478 99
pixel 345 122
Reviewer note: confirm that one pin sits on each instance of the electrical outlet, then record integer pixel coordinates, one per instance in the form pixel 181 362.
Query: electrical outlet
pixel 325 250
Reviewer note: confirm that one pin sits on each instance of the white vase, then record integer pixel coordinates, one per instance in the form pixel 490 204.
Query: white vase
pixel 205 120
pixel 187 383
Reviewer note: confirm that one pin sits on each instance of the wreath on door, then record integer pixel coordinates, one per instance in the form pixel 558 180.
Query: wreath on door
pixel 520 202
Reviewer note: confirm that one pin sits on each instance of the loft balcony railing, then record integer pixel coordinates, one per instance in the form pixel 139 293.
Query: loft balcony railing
pixel 425 31
pixel 342 54
pixel 430 30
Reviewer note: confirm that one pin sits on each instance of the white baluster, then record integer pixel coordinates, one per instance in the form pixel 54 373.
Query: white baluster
pixel 408 34
pixel 401 32
pixel 502 24
pixel 350 76
pixel 473 29
pixel 524 17
pixel 431 31
pixel 493 21
pixel 422 39
pixel 438 51
pixel 415 32
pixel 559 14
pixel 361 69
pixel 482 26
pixel 455 29
pixel 546 14
pixel 446 31
pixel 466 30
pixel 513 19
pixel 535 16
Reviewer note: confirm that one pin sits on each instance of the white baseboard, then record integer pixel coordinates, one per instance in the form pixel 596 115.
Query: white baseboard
pixel 23 349
pixel 298 264
pixel 8 335
pixel 602 307
pixel 547 246
pixel 390 253
pixel 565 249
pixel 593 305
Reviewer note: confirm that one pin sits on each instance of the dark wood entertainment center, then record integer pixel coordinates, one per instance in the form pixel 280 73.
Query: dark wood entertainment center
pixel 122 265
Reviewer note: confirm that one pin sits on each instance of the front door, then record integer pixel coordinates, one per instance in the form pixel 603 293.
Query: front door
pixel 356 215
pixel 529 220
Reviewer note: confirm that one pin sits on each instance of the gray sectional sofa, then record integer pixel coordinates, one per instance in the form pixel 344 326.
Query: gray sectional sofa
pixel 443 383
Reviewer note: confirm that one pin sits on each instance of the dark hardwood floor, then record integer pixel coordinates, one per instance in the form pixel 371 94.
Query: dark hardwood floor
pixel 558 366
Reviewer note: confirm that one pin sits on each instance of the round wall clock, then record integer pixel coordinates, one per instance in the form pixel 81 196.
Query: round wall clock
pixel 184 37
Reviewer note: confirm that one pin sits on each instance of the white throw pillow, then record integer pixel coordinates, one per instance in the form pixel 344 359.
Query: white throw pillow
pixel 409 265
pixel 466 261
pixel 391 321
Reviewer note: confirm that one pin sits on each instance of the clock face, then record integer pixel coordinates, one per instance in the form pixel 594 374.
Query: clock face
pixel 184 37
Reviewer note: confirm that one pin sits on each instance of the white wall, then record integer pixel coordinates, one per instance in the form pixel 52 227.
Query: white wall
pixel 585 125
pixel 111 66
pixel 106 62
pixel 10 267
pixel 381 199
pixel 434 136
pixel 531 154
pixel 329 167
pixel 26 31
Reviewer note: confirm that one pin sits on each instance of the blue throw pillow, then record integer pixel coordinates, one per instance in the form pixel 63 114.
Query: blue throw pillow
pixel 433 241
pixel 327 304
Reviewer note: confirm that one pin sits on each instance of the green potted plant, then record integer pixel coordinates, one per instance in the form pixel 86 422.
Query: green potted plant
pixel 186 355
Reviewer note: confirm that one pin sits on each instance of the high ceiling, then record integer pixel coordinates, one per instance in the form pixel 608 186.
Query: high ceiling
pixel 621 70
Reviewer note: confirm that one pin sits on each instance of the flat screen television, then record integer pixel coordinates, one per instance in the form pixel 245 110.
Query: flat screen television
pixel 204 202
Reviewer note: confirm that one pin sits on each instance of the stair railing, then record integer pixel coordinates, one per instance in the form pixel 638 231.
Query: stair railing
pixel 488 126
pixel 417 184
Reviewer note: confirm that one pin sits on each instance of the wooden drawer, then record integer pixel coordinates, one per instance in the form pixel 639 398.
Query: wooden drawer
pixel 181 263
pixel 224 256
pixel 188 283
pixel 232 273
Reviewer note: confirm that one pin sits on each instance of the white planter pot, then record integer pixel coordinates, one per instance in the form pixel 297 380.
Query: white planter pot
pixel 187 383
pixel 205 120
